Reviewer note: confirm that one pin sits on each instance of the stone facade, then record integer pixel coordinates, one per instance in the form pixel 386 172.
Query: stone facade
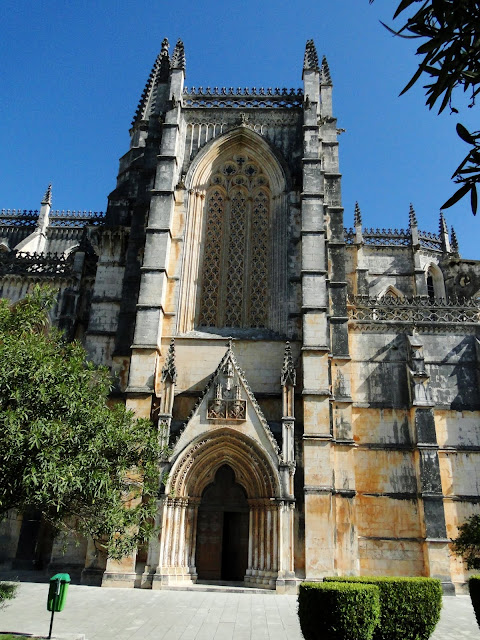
pixel 318 385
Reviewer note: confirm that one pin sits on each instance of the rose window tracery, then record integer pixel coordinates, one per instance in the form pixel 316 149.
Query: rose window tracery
pixel 236 257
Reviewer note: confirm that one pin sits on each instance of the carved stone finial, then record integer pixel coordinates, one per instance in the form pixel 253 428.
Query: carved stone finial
pixel 289 375
pixel 47 198
pixel 169 371
pixel 357 216
pixel 310 59
pixel 165 46
pixel 178 57
pixel 412 217
pixel 454 241
pixel 164 62
pixel 325 77
pixel 230 344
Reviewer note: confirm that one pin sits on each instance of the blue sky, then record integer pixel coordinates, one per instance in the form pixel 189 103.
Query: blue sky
pixel 73 72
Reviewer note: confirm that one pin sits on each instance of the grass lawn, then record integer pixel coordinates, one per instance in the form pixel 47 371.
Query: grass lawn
pixel 14 636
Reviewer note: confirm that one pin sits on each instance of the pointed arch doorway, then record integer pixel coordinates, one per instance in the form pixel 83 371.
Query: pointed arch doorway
pixel 222 529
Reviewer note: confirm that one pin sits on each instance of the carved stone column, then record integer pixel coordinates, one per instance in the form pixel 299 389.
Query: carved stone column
pixel 286 580
pixel 162 414
pixel 288 381
pixel 166 394
pixel 177 536
pixel 436 551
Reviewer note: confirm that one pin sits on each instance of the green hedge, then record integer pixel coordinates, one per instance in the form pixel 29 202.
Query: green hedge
pixel 474 588
pixel 409 607
pixel 8 591
pixel 337 611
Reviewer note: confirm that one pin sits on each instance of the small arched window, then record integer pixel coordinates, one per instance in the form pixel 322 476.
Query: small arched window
pixel 430 287
pixel 435 283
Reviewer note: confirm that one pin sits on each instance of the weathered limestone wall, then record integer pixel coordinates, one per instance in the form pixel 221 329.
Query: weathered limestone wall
pixel 393 470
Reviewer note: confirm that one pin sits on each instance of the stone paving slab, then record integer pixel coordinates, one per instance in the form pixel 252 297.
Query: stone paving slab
pixel 135 614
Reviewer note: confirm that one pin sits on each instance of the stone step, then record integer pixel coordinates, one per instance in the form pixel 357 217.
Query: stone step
pixel 221 586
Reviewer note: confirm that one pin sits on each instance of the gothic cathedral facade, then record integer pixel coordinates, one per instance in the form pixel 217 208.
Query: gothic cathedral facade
pixel 318 385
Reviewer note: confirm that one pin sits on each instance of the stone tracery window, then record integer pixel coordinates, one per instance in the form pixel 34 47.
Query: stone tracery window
pixel 236 260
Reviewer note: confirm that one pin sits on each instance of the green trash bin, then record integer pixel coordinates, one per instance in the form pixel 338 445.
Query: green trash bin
pixel 57 593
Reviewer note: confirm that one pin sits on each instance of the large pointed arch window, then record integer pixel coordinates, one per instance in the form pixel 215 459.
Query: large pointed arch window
pixel 236 258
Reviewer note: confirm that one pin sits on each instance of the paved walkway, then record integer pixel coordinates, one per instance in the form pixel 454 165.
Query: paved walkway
pixel 135 614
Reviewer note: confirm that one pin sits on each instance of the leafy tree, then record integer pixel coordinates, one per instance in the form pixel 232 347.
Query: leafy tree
pixel 467 544
pixel 8 591
pixel 85 465
pixel 451 58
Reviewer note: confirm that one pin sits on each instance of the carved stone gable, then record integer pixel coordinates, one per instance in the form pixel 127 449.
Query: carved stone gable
pixel 228 401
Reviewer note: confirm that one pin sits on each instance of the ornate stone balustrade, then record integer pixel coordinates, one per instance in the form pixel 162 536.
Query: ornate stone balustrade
pixel 29 218
pixel 387 237
pixel 19 217
pixel 349 235
pixel 38 264
pixel 413 310
pixel 223 97
pixel 430 240
pixel 394 237
pixel 76 218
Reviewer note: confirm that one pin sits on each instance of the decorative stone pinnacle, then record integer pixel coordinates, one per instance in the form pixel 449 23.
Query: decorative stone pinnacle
pixel 47 198
pixel 159 74
pixel 178 57
pixel 454 241
pixel 325 77
pixel 357 216
pixel 289 375
pixel 412 217
pixel 230 344
pixel 169 371
pixel 310 59
pixel 443 225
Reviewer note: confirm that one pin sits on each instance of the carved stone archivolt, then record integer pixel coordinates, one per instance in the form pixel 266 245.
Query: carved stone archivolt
pixel 197 466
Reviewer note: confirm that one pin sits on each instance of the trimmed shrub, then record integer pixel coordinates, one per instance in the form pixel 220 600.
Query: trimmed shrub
pixel 8 591
pixel 409 607
pixel 474 588
pixel 338 611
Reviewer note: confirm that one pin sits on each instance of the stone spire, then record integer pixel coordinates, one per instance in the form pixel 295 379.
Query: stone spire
pixel 310 60
pixel 289 375
pixel 169 371
pixel 454 241
pixel 158 74
pixel 412 217
pixel 357 216
pixel 445 240
pixel 178 57
pixel 43 220
pixel 325 77
pixel 47 198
